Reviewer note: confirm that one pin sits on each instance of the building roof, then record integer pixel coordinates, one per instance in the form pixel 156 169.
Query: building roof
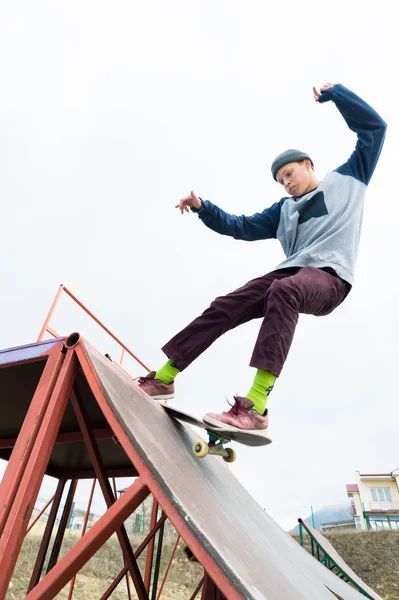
pixel 352 487
pixel 375 475
pixel 336 523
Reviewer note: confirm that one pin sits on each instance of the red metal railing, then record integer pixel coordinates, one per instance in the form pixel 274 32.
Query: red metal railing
pixel 47 329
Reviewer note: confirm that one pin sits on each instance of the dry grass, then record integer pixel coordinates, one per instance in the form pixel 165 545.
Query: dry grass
pixel 98 574
pixel 374 556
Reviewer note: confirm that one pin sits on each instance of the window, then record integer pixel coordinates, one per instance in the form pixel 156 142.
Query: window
pixel 358 522
pixel 378 523
pixel 382 494
pixel 353 507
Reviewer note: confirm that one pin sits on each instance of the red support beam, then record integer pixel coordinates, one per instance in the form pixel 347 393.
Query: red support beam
pixel 137 553
pixel 106 489
pixel 29 485
pixel 88 545
pixel 150 536
pixel 39 515
pixel 62 525
pixel 28 433
pixel 114 584
pixel 168 567
pixel 83 532
pixel 197 589
pixel 91 474
pixel 50 313
pixel 210 591
pixel 41 555
pixel 64 438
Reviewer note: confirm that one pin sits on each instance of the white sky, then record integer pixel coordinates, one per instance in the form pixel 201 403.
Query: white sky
pixel 110 113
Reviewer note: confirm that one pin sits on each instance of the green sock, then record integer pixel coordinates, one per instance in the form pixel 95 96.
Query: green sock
pixel 260 390
pixel 168 372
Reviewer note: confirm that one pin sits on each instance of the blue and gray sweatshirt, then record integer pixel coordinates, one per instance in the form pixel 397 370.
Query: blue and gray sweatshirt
pixel 321 228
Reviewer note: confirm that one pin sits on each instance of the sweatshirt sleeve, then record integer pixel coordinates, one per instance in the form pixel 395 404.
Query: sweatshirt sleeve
pixel 369 127
pixel 260 226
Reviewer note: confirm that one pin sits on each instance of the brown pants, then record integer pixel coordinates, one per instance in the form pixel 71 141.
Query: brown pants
pixel 278 297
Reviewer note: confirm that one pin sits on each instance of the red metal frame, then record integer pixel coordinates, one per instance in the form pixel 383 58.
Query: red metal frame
pixel 56 387
pixel 27 437
pixel 23 504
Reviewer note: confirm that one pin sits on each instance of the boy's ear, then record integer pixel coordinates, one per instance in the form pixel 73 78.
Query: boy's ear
pixel 307 163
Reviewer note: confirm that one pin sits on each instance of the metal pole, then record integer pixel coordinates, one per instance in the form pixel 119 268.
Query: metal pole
pixel 197 589
pixel 62 525
pixel 41 555
pixel 157 562
pixel 50 313
pixel 39 515
pixel 117 340
pixel 150 549
pixel 83 532
pixel 137 553
pixel 168 567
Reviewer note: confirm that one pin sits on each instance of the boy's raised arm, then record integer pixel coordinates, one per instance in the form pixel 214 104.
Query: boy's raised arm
pixel 366 123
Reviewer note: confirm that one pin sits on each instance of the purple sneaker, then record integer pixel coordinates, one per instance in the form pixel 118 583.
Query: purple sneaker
pixel 157 389
pixel 240 416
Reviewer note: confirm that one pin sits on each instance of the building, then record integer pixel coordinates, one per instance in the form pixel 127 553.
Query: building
pixel 337 525
pixel 375 500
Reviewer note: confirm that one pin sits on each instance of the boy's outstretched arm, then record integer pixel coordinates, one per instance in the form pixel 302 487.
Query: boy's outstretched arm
pixel 365 122
pixel 259 226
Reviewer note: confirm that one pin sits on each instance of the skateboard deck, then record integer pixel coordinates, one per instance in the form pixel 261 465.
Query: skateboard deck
pixel 218 436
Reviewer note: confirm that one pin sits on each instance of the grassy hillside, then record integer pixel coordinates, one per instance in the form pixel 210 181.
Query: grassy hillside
pixel 374 556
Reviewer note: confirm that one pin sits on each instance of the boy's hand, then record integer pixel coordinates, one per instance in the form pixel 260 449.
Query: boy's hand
pixel 191 201
pixel 317 94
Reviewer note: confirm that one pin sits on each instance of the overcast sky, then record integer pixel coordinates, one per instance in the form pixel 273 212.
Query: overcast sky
pixel 110 113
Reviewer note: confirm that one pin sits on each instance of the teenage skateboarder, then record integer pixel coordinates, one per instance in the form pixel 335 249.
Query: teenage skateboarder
pixel 318 225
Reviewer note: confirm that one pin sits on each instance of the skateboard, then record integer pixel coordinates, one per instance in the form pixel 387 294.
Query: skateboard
pixel 218 437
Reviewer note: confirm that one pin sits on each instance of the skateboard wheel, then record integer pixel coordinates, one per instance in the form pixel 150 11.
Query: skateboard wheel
pixel 231 455
pixel 200 449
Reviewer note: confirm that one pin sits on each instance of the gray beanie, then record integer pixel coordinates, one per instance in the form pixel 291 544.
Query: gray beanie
pixel 287 157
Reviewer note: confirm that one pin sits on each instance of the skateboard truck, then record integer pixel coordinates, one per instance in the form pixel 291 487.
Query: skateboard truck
pixel 214 446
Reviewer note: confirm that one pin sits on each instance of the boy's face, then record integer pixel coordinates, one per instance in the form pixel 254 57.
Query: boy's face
pixel 296 178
